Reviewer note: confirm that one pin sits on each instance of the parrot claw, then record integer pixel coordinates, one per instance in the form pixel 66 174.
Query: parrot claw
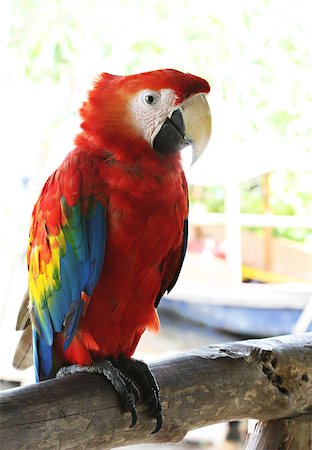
pixel 125 374
pixel 158 424
pixel 140 373
pixel 125 388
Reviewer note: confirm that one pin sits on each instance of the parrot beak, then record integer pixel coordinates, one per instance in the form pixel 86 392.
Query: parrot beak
pixel 197 121
pixel 189 125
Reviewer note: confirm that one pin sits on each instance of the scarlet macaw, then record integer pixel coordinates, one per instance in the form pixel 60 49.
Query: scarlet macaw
pixel 109 231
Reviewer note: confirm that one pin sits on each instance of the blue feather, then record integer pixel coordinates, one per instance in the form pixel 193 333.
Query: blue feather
pixel 80 269
pixel 45 355
pixel 72 273
pixel 96 227
pixel 35 353
pixel 75 313
pixel 42 356
pixel 43 323
pixel 55 310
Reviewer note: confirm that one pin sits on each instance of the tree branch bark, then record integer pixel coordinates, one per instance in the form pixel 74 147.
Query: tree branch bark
pixel 262 379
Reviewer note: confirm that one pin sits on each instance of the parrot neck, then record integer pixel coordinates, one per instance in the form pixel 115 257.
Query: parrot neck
pixel 137 153
pixel 85 141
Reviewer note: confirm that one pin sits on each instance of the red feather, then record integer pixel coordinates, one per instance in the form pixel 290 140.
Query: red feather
pixel 145 198
pixel 144 237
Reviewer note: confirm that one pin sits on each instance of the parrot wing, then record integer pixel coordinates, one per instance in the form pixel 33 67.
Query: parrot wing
pixel 174 261
pixel 65 259
pixel 173 266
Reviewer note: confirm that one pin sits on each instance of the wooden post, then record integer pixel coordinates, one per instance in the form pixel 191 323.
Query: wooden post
pixel 290 434
pixel 263 379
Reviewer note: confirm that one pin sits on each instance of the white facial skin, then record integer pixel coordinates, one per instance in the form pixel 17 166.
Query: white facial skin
pixel 150 110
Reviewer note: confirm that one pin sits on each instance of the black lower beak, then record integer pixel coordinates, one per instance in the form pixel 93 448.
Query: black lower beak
pixel 171 138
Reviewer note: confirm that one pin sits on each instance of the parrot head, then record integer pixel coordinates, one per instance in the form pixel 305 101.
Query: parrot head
pixel 155 113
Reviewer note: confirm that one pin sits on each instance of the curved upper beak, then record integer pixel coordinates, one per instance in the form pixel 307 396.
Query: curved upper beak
pixel 197 122
pixel 190 124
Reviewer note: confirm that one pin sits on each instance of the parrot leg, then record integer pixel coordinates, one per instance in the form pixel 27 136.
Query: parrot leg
pixel 140 373
pixel 124 387
pixel 131 379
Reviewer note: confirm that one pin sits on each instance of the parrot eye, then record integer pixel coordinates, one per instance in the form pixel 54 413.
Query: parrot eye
pixel 150 98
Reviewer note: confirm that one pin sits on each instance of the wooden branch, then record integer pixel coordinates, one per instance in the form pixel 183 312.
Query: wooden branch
pixel 263 379
pixel 293 434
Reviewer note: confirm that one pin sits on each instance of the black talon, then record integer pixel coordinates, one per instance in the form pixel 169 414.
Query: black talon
pixel 131 379
pixel 125 388
pixel 139 372
pixel 134 417
pixel 158 424
pixel 132 388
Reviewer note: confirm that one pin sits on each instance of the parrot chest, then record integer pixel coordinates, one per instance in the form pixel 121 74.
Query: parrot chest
pixel 141 232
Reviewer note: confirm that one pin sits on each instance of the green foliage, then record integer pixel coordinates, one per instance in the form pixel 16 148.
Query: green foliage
pixel 43 36
pixel 290 195
pixel 210 197
pixel 297 234
pixel 281 120
pixel 252 192
pixel 256 55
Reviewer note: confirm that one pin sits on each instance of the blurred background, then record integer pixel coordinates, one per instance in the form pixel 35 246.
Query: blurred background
pixel 248 266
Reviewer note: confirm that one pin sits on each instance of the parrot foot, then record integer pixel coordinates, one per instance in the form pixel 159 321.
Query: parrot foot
pixel 124 387
pixel 131 379
pixel 140 373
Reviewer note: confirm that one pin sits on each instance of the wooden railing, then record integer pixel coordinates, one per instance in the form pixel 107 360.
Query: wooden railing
pixel 265 379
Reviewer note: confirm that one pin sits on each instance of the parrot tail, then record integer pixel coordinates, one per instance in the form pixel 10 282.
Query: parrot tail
pixel 23 357
pixel 23 318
